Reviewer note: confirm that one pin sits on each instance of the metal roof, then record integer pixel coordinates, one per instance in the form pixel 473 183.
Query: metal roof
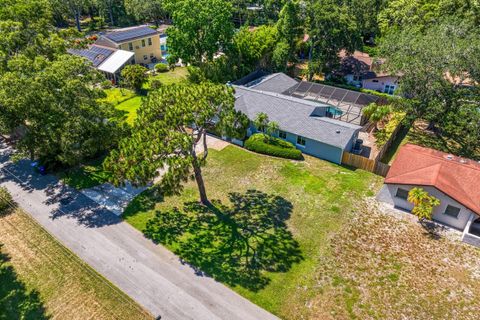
pixel 295 115
pixel 116 61
pixel 95 54
pixel 126 34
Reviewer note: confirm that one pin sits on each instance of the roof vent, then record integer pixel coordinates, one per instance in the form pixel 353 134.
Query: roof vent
pixel 449 157
pixel 462 160
pixel 337 131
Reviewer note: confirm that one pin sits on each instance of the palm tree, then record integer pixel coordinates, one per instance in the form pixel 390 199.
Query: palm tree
pixel 376 113
pixel 423 203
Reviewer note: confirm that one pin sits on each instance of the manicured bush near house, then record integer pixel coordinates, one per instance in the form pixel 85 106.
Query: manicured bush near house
pixel 265 144
pixel 161 67
pixel 155 84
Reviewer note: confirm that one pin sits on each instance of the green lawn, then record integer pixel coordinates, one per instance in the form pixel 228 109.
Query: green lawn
pixel 86 176
pixel 130 107
pixel 177 75
pixel 319 197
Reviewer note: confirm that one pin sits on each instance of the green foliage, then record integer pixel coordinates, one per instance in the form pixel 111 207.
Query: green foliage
pixel 6 201
pixel 423 203
pixel 384 134
pixel 196 39
pixel 447 56
pixel 376 113
pixel 155 84
pixel 268 145
pixel 16 301
pixel 163 136
pixel 234 244
pixel 161 67
pixel 146 10
pixel 55 107
pixel 106 84
pixel 134 76
pixel 331 28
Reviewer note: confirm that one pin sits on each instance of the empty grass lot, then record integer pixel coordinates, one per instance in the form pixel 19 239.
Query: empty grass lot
pixel 66 287
pixel 357 261
pixel 322 196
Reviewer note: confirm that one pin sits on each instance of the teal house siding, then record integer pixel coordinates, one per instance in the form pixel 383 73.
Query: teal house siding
pixel 312 147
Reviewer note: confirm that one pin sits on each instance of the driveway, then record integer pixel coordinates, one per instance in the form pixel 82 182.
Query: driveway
pixel 150 274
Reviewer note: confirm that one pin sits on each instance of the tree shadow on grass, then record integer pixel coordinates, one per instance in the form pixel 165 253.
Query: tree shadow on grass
pixel 16 302
pixel 234 244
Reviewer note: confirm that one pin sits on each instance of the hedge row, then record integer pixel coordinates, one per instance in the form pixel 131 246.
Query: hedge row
pixel 264 144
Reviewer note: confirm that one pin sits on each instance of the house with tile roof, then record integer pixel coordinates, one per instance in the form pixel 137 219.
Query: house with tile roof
pixel 361 70
pixel 451 179
pixel 308 124
pixel 143 41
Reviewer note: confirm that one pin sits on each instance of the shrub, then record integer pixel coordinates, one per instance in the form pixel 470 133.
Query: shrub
pixel 6 201
pixel 155 84
pixel 107 84
pixel 161 67
pixel 264 144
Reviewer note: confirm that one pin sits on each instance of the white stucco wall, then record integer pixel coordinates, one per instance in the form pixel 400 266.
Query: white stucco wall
pixel 438 212
pixel 380 85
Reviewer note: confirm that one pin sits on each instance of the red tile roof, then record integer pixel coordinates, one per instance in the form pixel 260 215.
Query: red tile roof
pixel 459 178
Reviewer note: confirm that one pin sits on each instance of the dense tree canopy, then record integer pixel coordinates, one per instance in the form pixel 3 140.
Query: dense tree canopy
pixel 196 39
pixel 171 127
pixel 146 10
pixel 54 110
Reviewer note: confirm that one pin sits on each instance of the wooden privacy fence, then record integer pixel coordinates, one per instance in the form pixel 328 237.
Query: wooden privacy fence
pixel 366 164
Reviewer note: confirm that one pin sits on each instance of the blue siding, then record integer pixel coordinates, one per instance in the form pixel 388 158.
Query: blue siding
pixel 312 147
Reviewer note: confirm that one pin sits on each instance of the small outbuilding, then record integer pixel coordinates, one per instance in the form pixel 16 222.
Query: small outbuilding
pixel 451 179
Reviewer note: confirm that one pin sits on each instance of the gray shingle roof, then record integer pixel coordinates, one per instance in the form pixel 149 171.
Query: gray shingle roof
pixel 295 116
pixel 277 82
pixel 95 54
pixel 126 34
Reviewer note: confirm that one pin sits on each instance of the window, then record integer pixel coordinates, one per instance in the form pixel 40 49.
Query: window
pixel 163 47
pixel 282 134
pixel 151 56
pixel 389 88
pixel 402 194
pixel 452 211
pixel 300 140
pixel 145 57
pixel 130 46
pixel 143 42
pixel 149 41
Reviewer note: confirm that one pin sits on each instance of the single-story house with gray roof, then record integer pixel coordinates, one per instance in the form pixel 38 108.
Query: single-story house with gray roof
pixel 304 123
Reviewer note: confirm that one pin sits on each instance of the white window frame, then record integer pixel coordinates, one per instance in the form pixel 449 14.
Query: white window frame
pixel 304 141
pixel 149 41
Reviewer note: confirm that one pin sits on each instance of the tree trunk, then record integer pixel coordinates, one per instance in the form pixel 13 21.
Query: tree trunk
pixel 77 21
pixel 310 54
pixel 200 183
pixel 110 12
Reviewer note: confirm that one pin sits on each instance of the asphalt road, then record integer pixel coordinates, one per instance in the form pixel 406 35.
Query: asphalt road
pixel 148 273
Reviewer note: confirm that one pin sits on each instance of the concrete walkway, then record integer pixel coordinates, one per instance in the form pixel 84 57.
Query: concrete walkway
pixel 150 274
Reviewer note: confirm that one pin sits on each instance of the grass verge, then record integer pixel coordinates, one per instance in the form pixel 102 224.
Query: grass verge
pixel 67 287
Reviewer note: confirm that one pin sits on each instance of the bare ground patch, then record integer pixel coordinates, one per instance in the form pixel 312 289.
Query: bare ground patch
pixel 382 267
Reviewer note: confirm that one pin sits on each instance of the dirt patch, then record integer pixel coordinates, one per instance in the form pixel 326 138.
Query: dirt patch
pixel 383 267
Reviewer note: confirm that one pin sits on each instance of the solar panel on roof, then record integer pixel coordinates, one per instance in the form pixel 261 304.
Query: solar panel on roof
pixel 95 54
pixel 119 36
